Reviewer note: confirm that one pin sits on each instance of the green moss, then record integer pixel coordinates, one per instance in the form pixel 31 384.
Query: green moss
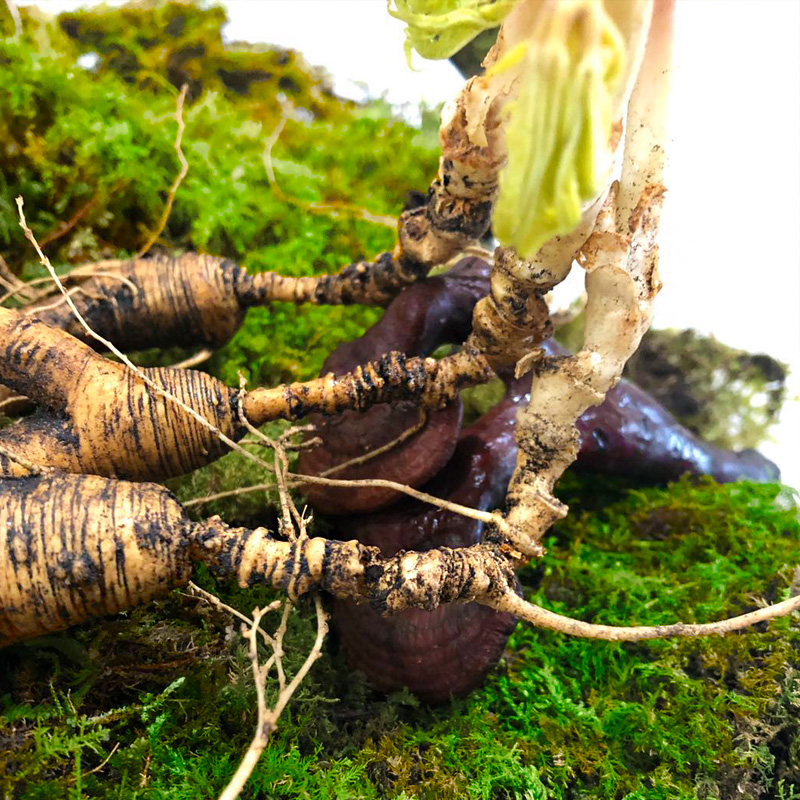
pixel 728 396
pixel 479 399
pixel 73 143
pixel 560 717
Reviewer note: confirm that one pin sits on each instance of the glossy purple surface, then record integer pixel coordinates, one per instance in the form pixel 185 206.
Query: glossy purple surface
pixel 427 314
pixel 446 652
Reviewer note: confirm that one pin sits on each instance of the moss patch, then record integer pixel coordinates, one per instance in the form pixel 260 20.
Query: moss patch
pixel 729 397
pixel 92 154
pixel 559 718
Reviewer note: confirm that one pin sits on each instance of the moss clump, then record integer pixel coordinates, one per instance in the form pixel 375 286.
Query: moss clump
pixel 728 396
pixel 180 42
pixel 92 154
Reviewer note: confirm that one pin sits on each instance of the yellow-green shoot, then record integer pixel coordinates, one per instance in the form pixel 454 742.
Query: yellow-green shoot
pixel 574 72
pixel 439 28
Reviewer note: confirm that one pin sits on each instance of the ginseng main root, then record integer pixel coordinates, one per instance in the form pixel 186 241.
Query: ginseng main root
pixel 101 417
pixel 199 300
pixel 73 547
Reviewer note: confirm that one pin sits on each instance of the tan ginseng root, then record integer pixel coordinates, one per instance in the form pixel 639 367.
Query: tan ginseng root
pixel 102 417
pixel 74 547
pixel 195 300
pixel 198 300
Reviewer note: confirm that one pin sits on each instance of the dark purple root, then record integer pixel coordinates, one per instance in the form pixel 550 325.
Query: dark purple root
pixel 447 652
pixel 435 654
pixel 424 316
pixel 632 435
pixel 351 435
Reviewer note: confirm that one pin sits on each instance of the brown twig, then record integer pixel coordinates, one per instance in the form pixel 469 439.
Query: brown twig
pixel 213 600
pixel 162 223
pixel 210 498
pixel 59 301
pixel 65 227
pixel 278 651
pixel 20 288
pixel 145 779
pixel 268 718
pixel 8 280
pixel 100 766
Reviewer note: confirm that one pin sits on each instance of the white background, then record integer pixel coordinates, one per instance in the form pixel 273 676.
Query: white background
pixel 730 252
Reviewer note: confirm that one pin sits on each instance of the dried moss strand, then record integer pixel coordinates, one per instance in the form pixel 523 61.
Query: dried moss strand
pixel 492 518
pixel 162 223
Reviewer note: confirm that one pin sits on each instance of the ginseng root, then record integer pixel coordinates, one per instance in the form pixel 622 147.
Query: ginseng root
pixel 101 417
pixel 200 300
pixel 74 547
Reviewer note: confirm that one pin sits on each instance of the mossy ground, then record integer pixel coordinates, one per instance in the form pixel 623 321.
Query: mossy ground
pixel 159 703
pixel 559 718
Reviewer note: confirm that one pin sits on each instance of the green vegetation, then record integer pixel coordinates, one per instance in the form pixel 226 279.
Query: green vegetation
pixel 93 156
pixel 729 397
pixel 159 703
